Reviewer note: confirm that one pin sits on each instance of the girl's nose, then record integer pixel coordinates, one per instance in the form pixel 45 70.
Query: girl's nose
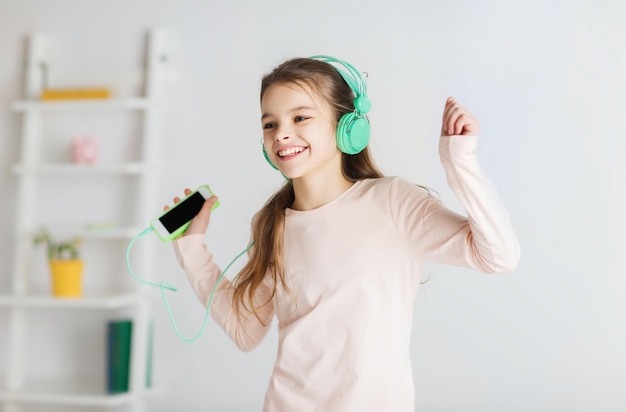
pixel 281 135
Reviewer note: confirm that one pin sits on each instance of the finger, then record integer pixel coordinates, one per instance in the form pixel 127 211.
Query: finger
pixel 461 118
pixel 453 117
pixel 447 111
pixel 176 199
pixel 187 192
pixel 467 124
pixel 471 126
pixel 449 101
pixel 460 123
pixel 166 208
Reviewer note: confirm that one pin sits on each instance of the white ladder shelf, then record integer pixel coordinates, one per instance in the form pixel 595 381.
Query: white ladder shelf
pixel 17 389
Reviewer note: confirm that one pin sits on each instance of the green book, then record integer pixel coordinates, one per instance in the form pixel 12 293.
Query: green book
pixel 119 338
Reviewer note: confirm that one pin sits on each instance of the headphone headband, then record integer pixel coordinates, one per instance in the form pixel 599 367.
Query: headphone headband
pixel 355 79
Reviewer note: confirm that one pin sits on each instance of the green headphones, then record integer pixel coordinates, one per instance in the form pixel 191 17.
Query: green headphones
pixel 353 129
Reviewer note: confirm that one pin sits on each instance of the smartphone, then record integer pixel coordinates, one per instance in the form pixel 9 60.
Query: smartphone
pixel 173 222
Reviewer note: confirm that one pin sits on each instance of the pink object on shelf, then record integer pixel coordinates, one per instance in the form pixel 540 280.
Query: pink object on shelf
pixel 85 150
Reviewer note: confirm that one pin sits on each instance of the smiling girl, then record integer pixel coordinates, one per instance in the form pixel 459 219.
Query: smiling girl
pixel 338 250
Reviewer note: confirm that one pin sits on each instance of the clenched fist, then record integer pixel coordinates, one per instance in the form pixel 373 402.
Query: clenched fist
pixel 457 120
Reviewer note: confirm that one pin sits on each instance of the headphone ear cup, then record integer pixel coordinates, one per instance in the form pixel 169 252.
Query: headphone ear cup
pixel 268 158
pixel 353 133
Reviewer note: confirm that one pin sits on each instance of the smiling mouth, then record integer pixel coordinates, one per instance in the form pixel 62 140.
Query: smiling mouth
pixel 292 151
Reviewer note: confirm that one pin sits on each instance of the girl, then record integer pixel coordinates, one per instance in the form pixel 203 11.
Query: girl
pixel 338 250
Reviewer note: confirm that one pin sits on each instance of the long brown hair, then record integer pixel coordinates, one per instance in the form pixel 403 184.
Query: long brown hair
pixel 266 258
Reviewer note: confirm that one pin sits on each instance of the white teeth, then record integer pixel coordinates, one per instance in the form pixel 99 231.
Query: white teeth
pixel 290 151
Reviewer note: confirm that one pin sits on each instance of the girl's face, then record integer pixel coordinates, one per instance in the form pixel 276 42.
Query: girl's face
pixel 299 132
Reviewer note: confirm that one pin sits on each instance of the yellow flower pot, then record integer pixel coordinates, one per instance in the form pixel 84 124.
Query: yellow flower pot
pixel 67 277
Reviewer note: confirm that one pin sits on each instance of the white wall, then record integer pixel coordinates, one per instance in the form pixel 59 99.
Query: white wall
pixel 546 80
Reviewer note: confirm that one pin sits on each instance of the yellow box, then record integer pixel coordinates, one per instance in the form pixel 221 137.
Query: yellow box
pixel 69 94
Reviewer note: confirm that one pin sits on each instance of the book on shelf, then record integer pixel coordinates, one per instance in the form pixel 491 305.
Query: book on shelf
pixel 119 355
pixel 75 94
pixel 118 348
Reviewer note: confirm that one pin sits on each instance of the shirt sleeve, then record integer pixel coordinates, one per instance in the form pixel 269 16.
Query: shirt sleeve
pixel 202 272
pixel 485 239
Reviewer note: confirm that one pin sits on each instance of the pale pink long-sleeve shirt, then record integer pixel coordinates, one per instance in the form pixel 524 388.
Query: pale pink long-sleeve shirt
pixel 353 267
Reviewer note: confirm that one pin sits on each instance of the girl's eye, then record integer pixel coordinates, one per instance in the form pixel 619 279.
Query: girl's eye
pixel 300 118
pixel 268 126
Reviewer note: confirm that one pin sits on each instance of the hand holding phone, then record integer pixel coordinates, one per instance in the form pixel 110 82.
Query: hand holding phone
pixel 174 221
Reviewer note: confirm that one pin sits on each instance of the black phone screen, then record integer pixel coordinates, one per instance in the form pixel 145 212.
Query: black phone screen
pixel 182 213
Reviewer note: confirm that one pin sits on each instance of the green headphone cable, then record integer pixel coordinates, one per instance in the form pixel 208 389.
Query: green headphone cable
pixel 163 285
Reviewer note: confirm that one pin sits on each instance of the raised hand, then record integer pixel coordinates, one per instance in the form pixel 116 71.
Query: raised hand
pixel 457 120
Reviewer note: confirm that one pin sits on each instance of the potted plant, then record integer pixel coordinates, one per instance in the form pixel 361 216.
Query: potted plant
pixel 66 266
